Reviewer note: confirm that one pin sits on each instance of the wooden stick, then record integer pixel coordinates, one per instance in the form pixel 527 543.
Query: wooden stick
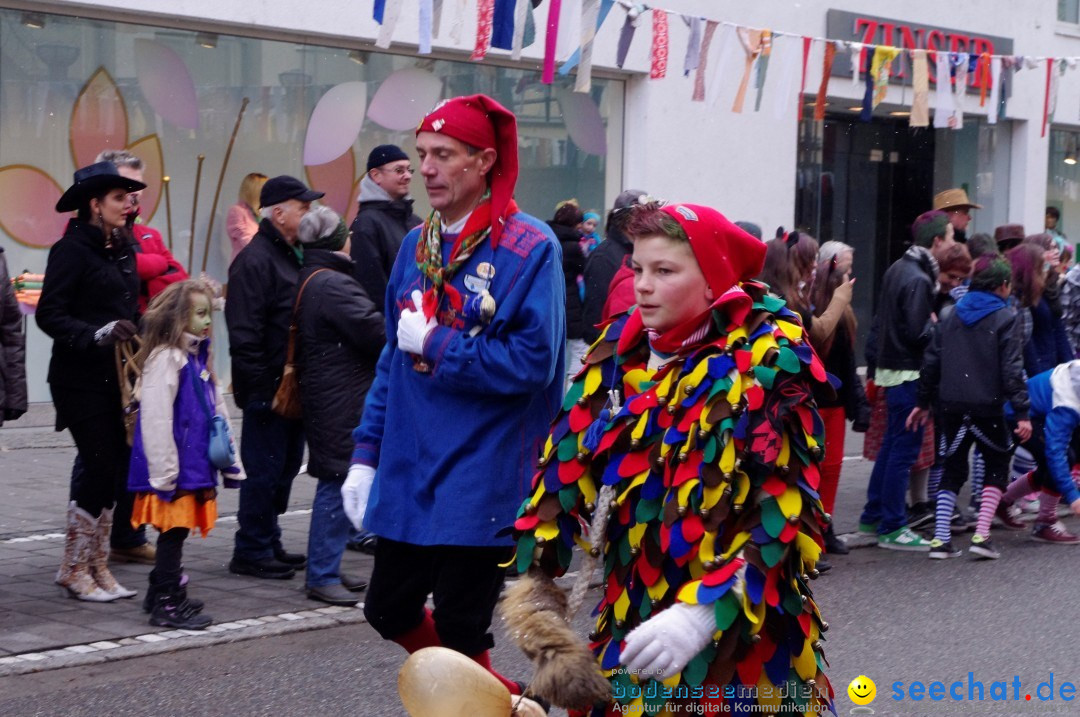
pixel 194 209
pixel 221 178
pixel 168 210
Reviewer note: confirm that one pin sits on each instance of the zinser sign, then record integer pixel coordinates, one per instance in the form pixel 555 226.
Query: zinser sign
pixel 867 29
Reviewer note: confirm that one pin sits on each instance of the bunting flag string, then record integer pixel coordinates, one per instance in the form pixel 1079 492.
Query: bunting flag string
pixel 485 20
pixel 920 89
pixel 703 61
pixel 806 42
pixel 823 88
pixel 751 42
pixel 693 47
pixel 658 69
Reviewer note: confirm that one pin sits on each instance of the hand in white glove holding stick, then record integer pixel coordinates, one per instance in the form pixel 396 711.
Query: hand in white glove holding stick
pixel 413 327
pixel 663 645
pixel 355 491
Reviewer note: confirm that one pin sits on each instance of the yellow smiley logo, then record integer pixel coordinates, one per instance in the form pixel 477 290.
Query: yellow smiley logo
pixel 862 690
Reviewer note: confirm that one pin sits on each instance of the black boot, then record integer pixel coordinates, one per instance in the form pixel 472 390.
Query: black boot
pixel 833 545
pixel 172 609
pixel 152 591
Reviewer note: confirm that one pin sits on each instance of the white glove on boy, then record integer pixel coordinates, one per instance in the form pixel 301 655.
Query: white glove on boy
pixel 662 646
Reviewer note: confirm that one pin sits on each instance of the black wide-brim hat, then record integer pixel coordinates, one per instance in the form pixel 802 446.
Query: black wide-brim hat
pixel 91 181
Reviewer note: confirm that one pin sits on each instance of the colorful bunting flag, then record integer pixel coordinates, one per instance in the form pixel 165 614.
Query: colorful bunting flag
pixel 762 66
pixel 1046 97
pixel 944 108
pixel 485 20
pixel 427 9
pixel 590 14
pixel 826 73
pixel 502 31
pixel 751 43
pixel 391 12
pixel 881 68
pixel 960 81
pixel 920 86
pixel 551 42
pixel 806 42
pixel 703 62
pixel 693 47
pixel 995 90
pixel 658 66
pixel 521 10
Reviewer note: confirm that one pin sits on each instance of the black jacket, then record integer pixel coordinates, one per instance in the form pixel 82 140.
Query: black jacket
pixel 377 232
pixel 573 264
pixel 12 350
pixel 340 337
pixel 975 369
pixel 86 286
pixel 604 261
pixel 841 363
pixel 262 287
pixel 902 323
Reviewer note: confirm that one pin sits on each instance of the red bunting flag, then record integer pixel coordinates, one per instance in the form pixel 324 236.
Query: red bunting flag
pixel 659 44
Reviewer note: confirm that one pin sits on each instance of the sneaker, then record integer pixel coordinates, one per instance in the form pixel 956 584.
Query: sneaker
pixel 920 515
pixel 1053 533
pixel 943 550
pixel 903 539
pixel 868 528
pixel 1009 517
pixel 983 548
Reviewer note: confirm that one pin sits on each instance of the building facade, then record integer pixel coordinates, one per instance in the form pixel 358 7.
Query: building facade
pixel 308 93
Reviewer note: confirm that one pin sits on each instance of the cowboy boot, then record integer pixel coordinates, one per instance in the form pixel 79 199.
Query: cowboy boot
pixel 99 558
pixel 74 574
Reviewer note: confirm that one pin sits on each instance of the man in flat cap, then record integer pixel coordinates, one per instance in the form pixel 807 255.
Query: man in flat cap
pixel 465 389
pixel 262 288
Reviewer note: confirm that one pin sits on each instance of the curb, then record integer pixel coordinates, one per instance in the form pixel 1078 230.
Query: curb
pixel 156 643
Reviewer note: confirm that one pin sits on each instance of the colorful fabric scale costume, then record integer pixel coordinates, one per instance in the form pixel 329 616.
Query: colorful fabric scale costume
pixel 713 461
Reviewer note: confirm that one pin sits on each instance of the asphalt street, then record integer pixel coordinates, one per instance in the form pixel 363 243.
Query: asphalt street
pixel 894 617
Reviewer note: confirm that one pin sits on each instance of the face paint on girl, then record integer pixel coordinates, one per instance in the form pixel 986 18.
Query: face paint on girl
pixel 200 319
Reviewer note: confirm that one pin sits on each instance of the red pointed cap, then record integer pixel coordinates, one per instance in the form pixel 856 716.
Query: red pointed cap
pixel 726 253
pixel 482 122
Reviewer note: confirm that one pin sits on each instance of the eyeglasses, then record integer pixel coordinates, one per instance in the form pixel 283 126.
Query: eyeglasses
pixel 400 171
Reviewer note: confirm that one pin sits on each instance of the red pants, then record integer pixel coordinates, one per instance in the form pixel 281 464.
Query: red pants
pixel 835 427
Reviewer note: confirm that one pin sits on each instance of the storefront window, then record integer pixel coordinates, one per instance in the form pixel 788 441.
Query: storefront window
pixel 1063 180
pixel 70 87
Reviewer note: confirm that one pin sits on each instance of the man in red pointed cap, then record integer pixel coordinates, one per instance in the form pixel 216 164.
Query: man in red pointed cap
pixel 464 390
pixel 695 463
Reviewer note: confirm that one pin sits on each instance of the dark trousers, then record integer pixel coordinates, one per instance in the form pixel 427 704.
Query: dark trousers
pixel 169 562
pixel 123 535
pixel 104 455
pixel 899 451
pixel 272 449
pixel 464 582
pixel 994 438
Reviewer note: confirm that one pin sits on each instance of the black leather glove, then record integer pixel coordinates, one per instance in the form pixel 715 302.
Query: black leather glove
pixel 115 331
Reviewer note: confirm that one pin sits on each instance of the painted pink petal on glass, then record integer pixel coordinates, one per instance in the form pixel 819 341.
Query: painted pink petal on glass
pixel 148 149
pixel 98 120
pixel 583 121
pixel 28 213
pixel 166 83
pixel 335 123
pixel 336 179
pixel 404 98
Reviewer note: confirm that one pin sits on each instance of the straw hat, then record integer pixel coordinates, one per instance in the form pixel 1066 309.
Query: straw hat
pixel 439 682
pixel 954 199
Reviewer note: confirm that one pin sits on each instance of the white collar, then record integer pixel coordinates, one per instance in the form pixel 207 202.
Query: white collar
pixel 456 227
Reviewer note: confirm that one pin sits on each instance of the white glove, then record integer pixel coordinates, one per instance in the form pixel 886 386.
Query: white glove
pixel 355 491
pixel 665 644
pixel 413 327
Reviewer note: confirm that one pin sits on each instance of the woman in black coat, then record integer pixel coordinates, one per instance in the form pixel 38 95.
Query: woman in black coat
pixel 564 224
pixel 341 334
pixel 89 302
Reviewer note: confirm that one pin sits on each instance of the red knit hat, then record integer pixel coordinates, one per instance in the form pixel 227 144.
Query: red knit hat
pixel 481 122
pixel 726 253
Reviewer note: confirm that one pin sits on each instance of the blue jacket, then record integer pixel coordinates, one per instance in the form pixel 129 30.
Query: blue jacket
pixel 455 448
pixel 1055 399
pixel 1049 344
pixel 185 464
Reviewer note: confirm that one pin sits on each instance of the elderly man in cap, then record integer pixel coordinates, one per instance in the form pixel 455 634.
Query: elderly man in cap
pixel 956 204
pixel 262 288
pixel 385 217
pixel 464 391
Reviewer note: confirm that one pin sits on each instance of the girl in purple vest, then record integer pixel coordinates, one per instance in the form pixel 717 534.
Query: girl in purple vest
pixel 171 471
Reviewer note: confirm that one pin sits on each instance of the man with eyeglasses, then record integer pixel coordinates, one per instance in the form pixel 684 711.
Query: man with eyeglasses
pixel 385 217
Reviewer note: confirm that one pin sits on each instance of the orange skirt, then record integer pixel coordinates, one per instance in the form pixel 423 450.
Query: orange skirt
pixel 196 511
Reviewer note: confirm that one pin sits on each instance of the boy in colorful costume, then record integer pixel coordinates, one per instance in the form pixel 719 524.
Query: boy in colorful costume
pixel 464 390
pixel 698 431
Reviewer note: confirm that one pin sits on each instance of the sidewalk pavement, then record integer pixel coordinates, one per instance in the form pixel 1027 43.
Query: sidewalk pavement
pixel 42 629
